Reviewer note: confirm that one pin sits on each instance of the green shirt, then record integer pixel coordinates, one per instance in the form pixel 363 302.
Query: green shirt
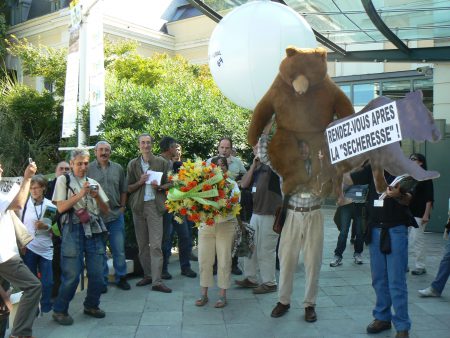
pixel 114 183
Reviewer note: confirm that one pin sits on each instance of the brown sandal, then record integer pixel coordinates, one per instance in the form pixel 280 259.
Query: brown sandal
pixel 202 300
pixel 221 302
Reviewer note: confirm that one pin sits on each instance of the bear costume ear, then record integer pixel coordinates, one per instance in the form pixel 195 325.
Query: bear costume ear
pixel 322 52
pixel 290 51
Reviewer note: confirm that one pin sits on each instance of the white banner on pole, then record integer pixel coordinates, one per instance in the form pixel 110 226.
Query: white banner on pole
pixel 96 67
pixel 71 85
pixel 363 132
pixel 72 73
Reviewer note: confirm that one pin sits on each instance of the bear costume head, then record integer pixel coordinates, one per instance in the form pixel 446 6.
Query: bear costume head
pixel 303 68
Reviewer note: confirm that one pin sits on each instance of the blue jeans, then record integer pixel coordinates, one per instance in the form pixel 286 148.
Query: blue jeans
pixel 389 277
pixel 170 226
pixel 443 272
pixel 350 212
pixel 116 237
pixel 34 261
pixel 75 248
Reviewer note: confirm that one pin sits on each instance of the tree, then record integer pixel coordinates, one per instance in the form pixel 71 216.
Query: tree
pixel 30 123
pixel 41 60
pixel 161 95
pixel 184 104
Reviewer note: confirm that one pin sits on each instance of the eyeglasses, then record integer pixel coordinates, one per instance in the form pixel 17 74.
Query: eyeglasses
pixel 414 159
pixel 64 168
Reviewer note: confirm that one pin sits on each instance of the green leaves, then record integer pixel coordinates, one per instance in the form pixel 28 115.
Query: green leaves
pixel 184 103
pixel 41 60
pixel 160 95
pixel 30 123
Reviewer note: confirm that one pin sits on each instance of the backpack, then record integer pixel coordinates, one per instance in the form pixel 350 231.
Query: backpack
pixel 60 217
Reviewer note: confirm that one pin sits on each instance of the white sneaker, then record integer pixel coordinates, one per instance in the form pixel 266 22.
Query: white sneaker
pixel 357 258
pixel 336 261
pixel 428 292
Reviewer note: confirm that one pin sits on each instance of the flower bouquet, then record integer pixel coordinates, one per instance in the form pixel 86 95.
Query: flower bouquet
pixel 202 193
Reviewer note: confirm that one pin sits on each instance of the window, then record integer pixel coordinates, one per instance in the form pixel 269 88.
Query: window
pixel 396 89
pixel 364 93
pixel 426 86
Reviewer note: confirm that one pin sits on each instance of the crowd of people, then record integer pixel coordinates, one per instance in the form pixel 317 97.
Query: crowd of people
pixel 91 197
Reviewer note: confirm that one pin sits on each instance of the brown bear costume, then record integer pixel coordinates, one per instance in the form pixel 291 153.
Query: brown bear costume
pixel 304 100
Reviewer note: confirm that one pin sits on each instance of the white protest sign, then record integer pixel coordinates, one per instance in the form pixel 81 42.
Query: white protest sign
pixel 364 132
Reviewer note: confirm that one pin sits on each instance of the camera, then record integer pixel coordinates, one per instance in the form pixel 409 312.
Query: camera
pixel 93 187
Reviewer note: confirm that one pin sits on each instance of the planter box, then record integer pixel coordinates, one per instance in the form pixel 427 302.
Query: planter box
pixel 130 268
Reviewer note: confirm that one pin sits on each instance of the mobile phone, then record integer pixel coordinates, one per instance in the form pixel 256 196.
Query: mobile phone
pixel 30 160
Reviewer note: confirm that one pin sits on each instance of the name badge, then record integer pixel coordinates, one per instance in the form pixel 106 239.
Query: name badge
pixel 358 193
pixel 305 195
pixel 254 189
pixel 378 203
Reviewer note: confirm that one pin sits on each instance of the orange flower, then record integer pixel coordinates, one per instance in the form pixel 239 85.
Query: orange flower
pixel 234 199
pixel 221 193
pixel 183 211
pixel 194 208
pixel 206 187
pixel 206 207
pixel 210 221
pixel 195 217
pixel 192 184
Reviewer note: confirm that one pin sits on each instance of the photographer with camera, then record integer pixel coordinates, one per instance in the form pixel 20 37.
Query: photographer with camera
pixel 83 237
pixel 12 267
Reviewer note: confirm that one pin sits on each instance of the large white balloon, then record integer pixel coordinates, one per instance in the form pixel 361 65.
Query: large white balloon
pixel 248 44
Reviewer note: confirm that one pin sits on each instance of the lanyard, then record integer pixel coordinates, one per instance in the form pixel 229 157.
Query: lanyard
pixel 38 216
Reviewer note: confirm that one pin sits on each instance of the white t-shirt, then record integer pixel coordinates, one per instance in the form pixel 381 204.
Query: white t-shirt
pixel 8 244
pixel 42 244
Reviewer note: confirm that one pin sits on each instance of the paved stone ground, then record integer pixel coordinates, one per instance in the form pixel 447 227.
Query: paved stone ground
pixel 344 306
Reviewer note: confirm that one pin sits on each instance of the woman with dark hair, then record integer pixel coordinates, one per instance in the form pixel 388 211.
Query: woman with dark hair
pixel 420 206
pixel 38 254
